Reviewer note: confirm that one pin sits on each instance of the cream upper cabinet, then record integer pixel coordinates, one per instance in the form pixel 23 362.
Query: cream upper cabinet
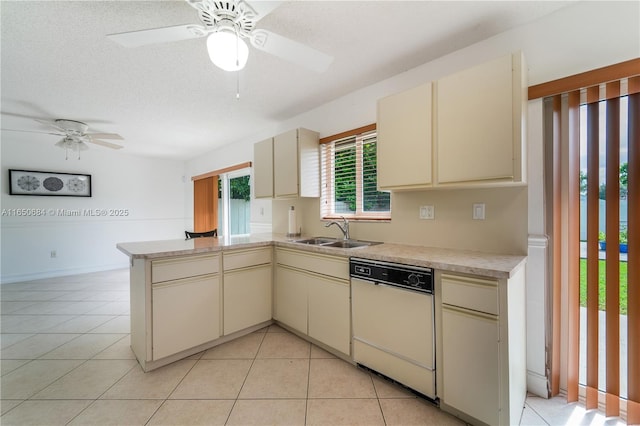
pixel 287 165
pixel 404 139
pixel 263 169
pixel 296 164
pixel 464 130
pixel 479 130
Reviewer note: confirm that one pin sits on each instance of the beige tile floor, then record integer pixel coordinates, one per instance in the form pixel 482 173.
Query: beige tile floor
pixel 65 359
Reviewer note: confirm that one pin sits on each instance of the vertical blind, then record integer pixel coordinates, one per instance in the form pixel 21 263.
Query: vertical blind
pixel 592 117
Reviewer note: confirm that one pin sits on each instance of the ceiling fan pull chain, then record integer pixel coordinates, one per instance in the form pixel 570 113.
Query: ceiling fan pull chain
pixel 237 63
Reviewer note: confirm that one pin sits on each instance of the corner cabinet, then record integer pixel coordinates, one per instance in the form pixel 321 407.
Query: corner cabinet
pixel 464 130
pixel 176 307
pixel 287 165
pixel 312 296
pixel 404 139
pixel 482 347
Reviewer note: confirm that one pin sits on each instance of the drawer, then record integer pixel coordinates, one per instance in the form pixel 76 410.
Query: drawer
pixel 245 258
pixel 319 263
pixel 184 267
pixel 471 293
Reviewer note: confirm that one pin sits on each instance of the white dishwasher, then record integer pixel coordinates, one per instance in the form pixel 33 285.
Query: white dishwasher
pixel 393 322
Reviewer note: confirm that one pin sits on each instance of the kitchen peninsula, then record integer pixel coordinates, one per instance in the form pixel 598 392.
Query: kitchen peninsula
pixel 191 295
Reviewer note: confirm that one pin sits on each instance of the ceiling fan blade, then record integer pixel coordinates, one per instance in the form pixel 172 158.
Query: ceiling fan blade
pixel 105 136
pixel 291 50
pixel 263 8
pixel 158 35
pixel 49 123
pixel 33 131
pixel 104 143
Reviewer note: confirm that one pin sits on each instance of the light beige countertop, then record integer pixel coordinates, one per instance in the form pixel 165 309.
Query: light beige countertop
pixel 462 261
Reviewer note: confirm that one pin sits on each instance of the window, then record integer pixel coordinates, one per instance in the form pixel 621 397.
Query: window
pixel 349 179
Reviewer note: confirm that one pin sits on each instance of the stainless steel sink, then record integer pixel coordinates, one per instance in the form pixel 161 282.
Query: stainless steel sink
pixel 333 242
pixel 317 241
pixel 349 244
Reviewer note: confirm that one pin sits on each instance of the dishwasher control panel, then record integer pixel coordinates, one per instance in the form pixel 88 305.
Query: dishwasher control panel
pixel 395 274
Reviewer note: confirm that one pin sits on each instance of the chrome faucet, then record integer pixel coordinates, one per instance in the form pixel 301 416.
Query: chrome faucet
pixel 344 227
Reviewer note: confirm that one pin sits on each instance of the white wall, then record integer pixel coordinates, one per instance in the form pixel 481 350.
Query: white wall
pixel 150 190
pixel 556 46
pixel 578 38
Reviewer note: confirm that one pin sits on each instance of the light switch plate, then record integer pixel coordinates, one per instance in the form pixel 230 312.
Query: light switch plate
pixel 478 211
pixel 427 212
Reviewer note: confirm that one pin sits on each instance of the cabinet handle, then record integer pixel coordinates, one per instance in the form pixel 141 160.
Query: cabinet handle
pixel 469 312
pixel 183 281
pixel 469 281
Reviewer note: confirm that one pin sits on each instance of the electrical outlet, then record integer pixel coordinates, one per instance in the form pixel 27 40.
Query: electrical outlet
pixel 427 212
pixel 478 211
pixel 54 254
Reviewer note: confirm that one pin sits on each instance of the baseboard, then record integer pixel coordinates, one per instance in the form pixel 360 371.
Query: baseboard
pixel 7 279
pixel 537 384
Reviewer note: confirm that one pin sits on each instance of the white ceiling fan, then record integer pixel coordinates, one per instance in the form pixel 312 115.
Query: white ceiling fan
pixel 227 24
pixel 74 135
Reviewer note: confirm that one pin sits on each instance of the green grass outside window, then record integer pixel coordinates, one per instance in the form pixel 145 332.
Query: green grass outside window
pixel 602 285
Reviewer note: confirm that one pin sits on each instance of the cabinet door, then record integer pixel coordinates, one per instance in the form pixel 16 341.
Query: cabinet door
pixel 404 139
pixel 475 130
pixel 285 164
pixel 263 169
pixel 291 298
pixel 247 297
pixel 470 361
pixel 329 312
pixel 186 313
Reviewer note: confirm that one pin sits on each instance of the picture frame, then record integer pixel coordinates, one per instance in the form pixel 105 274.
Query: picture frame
pixel 33 182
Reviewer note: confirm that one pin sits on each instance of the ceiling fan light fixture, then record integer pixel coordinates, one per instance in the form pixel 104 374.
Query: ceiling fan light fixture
pixel 227 51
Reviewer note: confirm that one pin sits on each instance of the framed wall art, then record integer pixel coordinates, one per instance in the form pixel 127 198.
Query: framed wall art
pixel 31 182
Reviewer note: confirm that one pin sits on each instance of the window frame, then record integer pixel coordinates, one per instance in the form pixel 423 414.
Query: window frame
pixel 359 137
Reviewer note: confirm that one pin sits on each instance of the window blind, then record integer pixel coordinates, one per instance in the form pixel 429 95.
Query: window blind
pixel 349 179
pixel 598 125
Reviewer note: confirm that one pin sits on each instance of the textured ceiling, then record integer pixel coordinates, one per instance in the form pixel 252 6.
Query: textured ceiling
pixel 169 100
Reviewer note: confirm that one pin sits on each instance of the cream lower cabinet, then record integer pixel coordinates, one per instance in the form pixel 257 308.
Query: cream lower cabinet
pixel 175 307
pixel 247 288
pixel 312 296
pixel 483 357
pixel 329 312
pixel 185 314
pixel 291 298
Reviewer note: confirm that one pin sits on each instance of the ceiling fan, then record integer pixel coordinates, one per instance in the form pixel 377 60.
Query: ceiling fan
pixel 227 24
pixel 74 135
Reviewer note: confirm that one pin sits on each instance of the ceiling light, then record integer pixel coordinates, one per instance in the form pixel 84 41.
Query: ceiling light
pixel 227 50
pixel 69 143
